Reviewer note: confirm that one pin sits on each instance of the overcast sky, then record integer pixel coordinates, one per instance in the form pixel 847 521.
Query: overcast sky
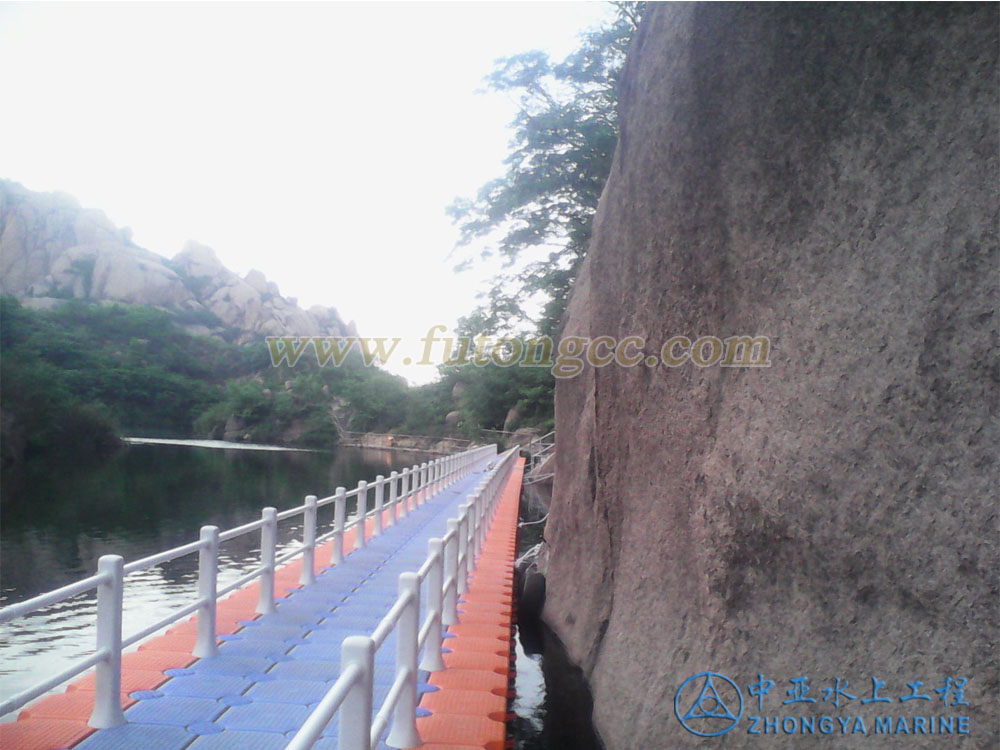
pixel 319 143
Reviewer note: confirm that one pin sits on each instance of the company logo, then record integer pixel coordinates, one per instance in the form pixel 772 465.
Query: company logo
pixel 708 704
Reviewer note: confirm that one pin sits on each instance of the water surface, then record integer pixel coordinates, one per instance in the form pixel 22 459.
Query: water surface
pixel 56 521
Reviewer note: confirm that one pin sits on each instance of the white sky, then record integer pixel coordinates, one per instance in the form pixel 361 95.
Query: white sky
pixel 319 143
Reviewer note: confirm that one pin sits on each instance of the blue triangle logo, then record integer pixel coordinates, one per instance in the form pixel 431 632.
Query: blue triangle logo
pixel 709 705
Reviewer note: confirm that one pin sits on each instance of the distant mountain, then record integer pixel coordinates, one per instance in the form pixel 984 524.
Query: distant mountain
pixel 51 250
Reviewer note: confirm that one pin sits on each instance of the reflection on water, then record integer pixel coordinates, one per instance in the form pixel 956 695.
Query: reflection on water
pixel 56 522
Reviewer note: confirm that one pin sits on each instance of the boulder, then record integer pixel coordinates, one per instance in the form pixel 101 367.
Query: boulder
pixel 198 261
pixel 459 390
pixel 825 176
pixel 258 282
pixel 51 248
pixel 512 418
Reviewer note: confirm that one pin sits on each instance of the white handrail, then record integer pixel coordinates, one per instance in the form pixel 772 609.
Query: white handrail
pixel 158 559
pixel 381 721
pixel 453 554
pixel 246 528
pixel 52 597
pixel 16 701
pixel 351 674
pixel 109 580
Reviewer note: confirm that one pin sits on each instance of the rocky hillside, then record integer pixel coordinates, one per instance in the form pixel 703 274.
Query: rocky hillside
pixel 825 175
pixel 51 249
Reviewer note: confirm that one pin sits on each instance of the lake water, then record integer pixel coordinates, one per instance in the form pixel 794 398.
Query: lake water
pixel 56 522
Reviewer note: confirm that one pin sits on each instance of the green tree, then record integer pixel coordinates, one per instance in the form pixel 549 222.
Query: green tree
pixel 564 140
pixel 565 134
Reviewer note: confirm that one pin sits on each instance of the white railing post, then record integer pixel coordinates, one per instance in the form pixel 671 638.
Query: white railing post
pixel 356 710
pixel 432 660
pixel 418 485
pixel 339 519
pixel 449 614
pixel 107 711
pixel 208 576
pixel 425 483
pixel 268 544
pixel 393 494
pixel 415 486
pixel 362 513
pixel 484 520
pixel 379 489
pixel 404 492
pixel 308 575
pixel 481 536
pixel 404 717
pixel 463 549
pixel 474 529
pixel 477 519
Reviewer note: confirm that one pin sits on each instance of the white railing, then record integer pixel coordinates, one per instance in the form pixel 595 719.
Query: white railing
pixel 407 490
pixel 352 693
pixel 541 448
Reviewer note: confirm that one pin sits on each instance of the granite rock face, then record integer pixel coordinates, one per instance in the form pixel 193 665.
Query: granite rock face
pixel 52 250
pixel 50 247
pixel 826 176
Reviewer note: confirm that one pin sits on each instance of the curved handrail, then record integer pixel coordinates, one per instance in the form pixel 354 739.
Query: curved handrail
pixel 456 552
pixel 407 490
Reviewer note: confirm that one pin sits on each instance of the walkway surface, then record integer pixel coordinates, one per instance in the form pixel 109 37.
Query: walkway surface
pixel 272 669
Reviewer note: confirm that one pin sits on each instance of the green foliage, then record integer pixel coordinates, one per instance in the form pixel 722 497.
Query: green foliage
pixel 490 392
pixel 426 408
pixel 47 414
pixel 205 318
pixel 299 400
pixel 564 141
pixel 132 368
pixel 130 364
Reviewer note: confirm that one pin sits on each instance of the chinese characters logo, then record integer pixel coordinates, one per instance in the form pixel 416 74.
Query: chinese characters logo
pixel 709 704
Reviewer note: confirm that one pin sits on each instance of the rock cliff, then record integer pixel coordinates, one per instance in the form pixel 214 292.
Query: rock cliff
pixel 825 175
pixel 51 249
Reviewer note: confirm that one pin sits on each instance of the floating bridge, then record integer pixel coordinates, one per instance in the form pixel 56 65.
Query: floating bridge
pixel 388 630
